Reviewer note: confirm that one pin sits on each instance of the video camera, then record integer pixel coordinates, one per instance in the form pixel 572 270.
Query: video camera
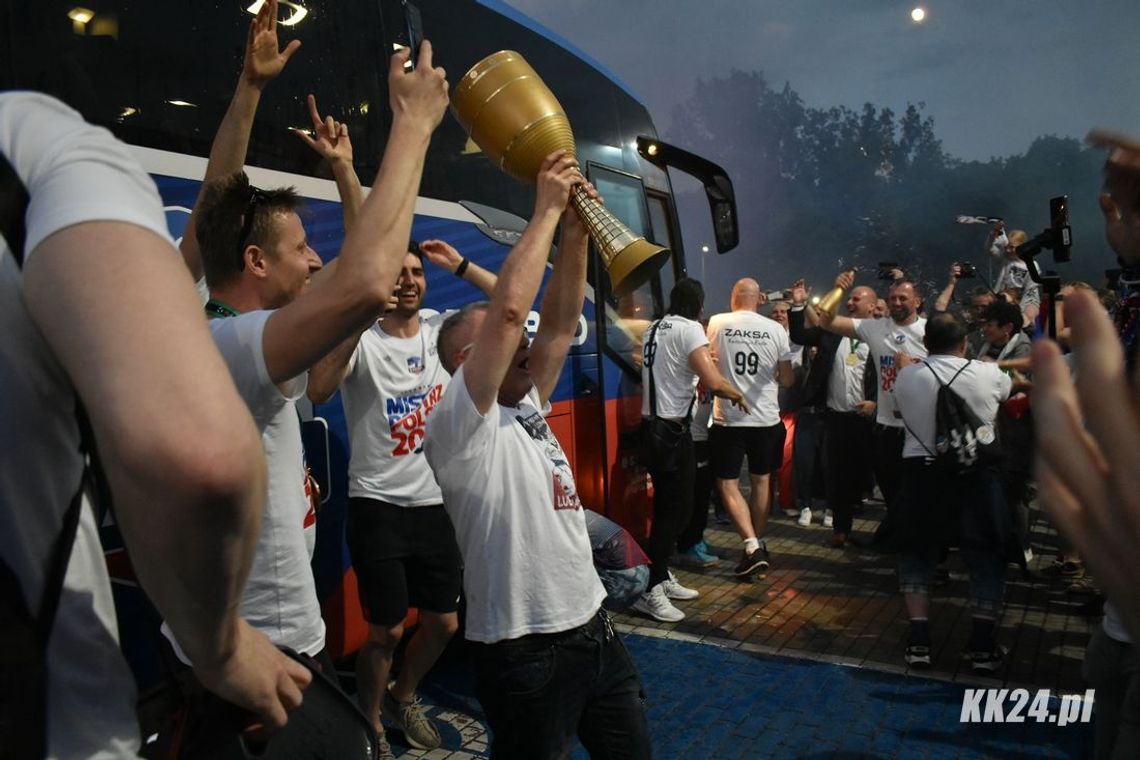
pixel 1058 238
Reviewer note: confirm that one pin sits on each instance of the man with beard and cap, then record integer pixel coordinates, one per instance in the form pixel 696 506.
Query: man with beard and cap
pixel 893 343
pixel 838 382
pixel 400 539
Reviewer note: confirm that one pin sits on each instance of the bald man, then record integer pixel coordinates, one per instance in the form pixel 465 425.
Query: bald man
pixel 753 354
pixel 835 422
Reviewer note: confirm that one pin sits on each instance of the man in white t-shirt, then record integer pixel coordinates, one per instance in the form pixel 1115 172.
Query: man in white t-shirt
pixel 187 505
pixel 272 325
pixel 676 355
pixel 753 352
pixel 892 341
pixel 937 508
pixel 400 539
pixel 1014 272
pixel 549 664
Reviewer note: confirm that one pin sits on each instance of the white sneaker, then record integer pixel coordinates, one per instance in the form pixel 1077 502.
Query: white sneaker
pixel 656 605
pixel 828 521
pixel 790 513
pixel 674 589
pixel 805 517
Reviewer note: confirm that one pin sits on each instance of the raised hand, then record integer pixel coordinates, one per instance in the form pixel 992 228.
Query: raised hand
pixel 264 60
pixel 421 93
pixel 846 279
pixel 557 176
pixel 330 137
pixel 799 293
pixel 441 254
pixel 573 228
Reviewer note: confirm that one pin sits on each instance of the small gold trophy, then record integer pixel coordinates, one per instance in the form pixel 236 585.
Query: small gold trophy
pixel 514 117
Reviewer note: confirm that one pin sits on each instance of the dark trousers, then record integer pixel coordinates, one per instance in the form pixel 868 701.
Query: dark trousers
pixel 847 453
pixel 1113 668
pixel 807 456
pixel 541 690
pixel 888 446
pixel 672 470
pixel 694 530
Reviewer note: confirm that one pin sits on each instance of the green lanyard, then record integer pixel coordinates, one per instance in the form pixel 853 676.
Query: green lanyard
pixel 218 310
pixel 854 345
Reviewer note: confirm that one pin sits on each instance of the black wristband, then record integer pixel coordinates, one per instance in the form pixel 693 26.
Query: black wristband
pixel 459 270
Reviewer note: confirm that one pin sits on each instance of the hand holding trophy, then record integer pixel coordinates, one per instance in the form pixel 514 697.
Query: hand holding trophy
pixel 514 117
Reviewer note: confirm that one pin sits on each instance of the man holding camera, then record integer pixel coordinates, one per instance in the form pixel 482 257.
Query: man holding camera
pixel 891 342
pixel 1014 272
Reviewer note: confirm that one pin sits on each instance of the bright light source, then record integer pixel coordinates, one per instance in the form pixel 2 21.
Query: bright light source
pixel 652 149
pixel 182 104
pixel 298 11
pixel 704 249
pixel 128 111
pixel 918 14
pixel 815 300
pixel 81 15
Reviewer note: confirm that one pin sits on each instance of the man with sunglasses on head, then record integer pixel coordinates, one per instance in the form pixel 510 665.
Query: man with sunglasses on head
pixel 273 318
pixel 549 664
pixel 400 538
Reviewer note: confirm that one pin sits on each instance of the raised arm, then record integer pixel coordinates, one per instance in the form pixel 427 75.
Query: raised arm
pixel 839 324
pixel 942 303
pixel 264 60
pixel 561 303
pixel 701 362
pixel 445 257
pixel 188 505
pixel 331 142
pixel 353 295
pixel 497 341
pixel 797 331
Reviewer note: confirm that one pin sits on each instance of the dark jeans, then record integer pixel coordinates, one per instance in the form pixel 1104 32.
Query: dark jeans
pixel 888 446
pixel 703 493
pixel 848 459
pixel 541 690
pixel 1113 668
pixel 671 467
pixel 807 457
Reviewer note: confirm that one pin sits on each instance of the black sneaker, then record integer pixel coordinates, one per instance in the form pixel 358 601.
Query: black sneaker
pixel 988 661
pixel 757 559
pixel 917 655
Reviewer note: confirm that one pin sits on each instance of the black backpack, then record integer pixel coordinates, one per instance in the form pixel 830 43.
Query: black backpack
pixel 963 442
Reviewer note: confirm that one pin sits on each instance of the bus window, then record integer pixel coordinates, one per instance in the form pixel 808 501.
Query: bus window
pixel 626 317
pixel 662 234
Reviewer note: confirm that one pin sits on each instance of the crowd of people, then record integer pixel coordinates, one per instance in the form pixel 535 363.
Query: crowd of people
pixel 111 355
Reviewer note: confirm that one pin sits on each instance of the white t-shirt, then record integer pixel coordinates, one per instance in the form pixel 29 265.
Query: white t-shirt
pixel 981 385
pixel 1014 274
pixel 885 339
pixel 508 488
pixel 748 348
pixel 280 597
pixel 674 340
pixel 845 383
pixel 74 173
pixel 393 384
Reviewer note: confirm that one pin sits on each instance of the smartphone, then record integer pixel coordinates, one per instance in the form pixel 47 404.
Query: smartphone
pixel 1062 232
pixel 776 295
pixel 413 30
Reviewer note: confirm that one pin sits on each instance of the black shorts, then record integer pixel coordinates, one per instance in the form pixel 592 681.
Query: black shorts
pixel 764 447
pixel 403 556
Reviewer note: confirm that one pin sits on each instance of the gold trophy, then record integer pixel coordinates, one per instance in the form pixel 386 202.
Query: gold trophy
pixel 514 117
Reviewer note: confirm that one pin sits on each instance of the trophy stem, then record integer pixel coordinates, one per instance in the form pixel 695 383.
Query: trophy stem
pixel 629 258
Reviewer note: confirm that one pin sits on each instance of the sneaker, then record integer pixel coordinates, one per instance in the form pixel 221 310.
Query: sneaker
pixel 698 555
pixel 656 605
pixel 791 513
pixel 384 749
pixel 1066 569
pixel 917 655
pixel 754 560
pixel 410 718
pixel 828 520
pixel 1028 554
pixel 805 517
pixel 674 589
pixel 988 661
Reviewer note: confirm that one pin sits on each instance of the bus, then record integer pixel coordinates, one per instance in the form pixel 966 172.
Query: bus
pixel 160 76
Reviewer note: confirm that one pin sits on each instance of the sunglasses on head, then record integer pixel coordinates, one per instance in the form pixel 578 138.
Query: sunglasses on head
pixel 256 196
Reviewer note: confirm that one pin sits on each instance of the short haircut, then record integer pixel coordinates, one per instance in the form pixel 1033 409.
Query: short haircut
pixel 221 219
pixel 900 282
pixel 945 331
pixel 1003 313
pixel 982 291
pixel 687 298
pixel 445 342
pixel 415 250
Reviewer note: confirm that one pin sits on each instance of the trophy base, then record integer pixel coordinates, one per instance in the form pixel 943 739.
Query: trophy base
pixel 635 264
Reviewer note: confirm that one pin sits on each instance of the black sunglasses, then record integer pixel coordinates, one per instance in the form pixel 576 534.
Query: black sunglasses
pixel 256 196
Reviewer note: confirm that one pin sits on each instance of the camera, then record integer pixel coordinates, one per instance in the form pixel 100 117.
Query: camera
pixel 776 295
pixel 966 270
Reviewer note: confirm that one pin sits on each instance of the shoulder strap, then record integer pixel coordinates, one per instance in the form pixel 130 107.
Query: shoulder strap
pixel 14 201
pixel 649 365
